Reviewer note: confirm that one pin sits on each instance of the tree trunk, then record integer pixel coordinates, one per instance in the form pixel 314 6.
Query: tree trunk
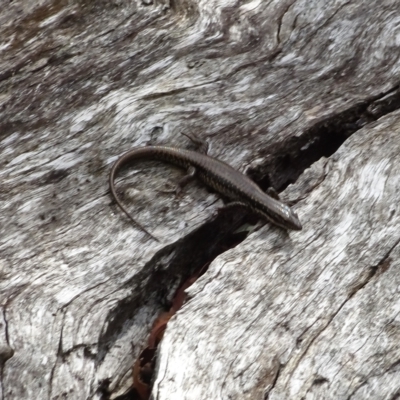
pixel 302 96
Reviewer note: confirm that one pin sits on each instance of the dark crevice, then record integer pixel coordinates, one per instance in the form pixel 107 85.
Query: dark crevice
pixel 321 140
pixel 154 285
pixel 320 381
pixel 280 19
pixel 380 268
pixel 396 396
pixel 6 353
pixel 277 375
pixel 356 390
pixel 370 274
pixel 59 354
pixel 89 351
pixel 55 176
pixel 394 366
pixel 131 394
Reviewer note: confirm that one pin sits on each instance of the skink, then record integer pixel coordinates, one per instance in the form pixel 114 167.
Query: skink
pixel 219 176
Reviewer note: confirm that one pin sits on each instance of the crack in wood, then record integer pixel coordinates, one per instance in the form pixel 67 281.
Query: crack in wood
pixel 157 283
pixel 382 266
pixel 289 160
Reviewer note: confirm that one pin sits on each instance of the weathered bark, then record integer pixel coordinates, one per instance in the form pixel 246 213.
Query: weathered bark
pixel 276 87
pixel 310 315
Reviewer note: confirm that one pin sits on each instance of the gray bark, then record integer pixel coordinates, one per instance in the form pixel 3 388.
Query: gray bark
pixel 276 87
pixel 313 315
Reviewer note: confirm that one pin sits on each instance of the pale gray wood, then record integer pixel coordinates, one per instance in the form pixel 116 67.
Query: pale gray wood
pixel 82 82
pixel 305 315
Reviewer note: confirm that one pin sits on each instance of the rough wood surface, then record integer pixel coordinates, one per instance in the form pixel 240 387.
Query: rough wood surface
pixel 303 315
pixel 274 86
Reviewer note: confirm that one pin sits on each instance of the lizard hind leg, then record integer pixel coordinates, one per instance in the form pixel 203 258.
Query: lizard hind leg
pixel 191 172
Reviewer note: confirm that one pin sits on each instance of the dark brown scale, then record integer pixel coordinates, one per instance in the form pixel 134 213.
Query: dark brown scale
pixel 218 175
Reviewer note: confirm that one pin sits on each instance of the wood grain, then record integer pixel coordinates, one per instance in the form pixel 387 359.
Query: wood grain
pixel 274 86
pixel 311 314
